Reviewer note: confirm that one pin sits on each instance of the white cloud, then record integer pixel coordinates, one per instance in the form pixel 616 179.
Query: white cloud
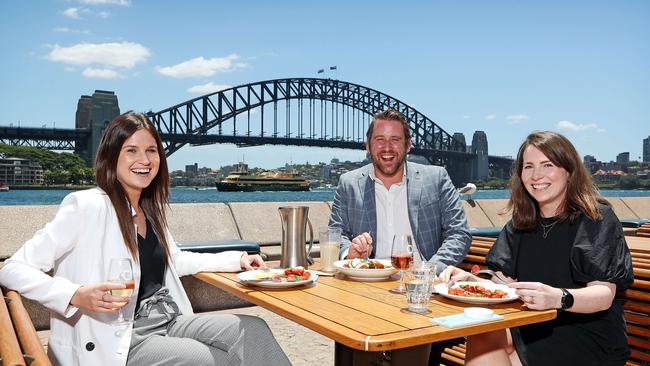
pixel 490 117
pixel 89 72
pixel 518 117
pixel 106 2
pixel 201 67
pixel 466 117
pixel 124 54
pixel 74 13
pixel 572 126
pixel 103 14
pixel 70 30
pixel 208 88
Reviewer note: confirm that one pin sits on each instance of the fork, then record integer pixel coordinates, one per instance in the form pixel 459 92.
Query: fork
pixel 494 275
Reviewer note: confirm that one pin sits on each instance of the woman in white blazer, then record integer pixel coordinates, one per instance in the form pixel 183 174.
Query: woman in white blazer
pixel 125 218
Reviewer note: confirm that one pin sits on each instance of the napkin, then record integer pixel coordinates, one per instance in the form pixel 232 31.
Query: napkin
pixel 460 320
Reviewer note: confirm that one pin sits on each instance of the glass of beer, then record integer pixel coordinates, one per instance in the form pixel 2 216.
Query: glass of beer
pixel 120 270
pixel 330 242
pixel 401 256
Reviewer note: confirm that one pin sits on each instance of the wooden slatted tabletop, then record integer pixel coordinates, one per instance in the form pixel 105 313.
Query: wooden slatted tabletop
pixel 365 316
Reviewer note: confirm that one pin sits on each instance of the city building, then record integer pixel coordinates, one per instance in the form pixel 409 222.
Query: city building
pixel 646 150
pixel 623 158
pixel 325 171
pixel 591 163
pixel 191 170
pixel 17 171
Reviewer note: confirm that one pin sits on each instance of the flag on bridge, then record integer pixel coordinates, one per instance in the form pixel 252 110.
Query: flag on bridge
pixel 320 71
pixel 332 67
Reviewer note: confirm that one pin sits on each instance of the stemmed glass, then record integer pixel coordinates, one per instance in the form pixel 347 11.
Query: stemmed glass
pixel 401 256
pixel 120 270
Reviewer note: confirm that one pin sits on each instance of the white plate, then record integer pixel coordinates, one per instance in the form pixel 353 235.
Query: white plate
pixel 366 274
pixel 441 288
pixel 250 278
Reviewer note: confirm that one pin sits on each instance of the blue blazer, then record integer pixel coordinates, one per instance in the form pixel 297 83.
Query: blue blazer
pixel 436 215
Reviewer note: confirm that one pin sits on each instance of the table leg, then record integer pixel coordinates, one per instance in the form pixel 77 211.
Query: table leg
pixel 346 356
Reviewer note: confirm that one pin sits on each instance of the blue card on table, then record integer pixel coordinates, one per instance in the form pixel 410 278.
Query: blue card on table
pixel 460 320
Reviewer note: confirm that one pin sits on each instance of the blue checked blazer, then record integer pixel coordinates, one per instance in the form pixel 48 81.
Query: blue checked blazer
pixel 436 215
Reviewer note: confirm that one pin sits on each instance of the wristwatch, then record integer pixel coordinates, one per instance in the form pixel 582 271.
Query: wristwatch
pixel 567 299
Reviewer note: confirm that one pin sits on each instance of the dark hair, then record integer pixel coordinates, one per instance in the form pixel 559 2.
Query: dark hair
pixel 581 194
pixel 390 115
pixel 153 199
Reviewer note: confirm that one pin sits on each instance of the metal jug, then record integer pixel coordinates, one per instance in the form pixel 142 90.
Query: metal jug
pixel 294 225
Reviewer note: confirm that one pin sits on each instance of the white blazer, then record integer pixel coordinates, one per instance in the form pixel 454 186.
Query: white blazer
pixel 78 245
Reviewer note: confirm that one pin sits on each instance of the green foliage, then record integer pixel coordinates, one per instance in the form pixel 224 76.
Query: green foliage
pixel 58 168
pixel 49 160
pixel 629 181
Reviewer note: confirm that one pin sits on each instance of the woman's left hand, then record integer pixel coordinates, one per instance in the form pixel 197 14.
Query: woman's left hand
pixel 537 295
pixel 251 262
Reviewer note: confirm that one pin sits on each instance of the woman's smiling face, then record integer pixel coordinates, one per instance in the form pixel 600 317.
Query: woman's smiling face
pixel 138 163
pixel 545 181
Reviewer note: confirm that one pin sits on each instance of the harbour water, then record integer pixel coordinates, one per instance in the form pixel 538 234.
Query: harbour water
pixel 207 195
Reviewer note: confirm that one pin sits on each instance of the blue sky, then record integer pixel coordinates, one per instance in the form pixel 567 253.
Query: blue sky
pixel 505 67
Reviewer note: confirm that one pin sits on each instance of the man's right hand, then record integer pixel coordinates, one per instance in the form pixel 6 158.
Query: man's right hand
pixel 97 297
pixel 360 246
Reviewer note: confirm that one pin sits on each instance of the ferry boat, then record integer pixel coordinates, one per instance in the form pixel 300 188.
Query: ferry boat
pixel 242 181
pixel 3 187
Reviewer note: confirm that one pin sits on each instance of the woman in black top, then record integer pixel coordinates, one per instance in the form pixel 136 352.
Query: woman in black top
pixel 563 249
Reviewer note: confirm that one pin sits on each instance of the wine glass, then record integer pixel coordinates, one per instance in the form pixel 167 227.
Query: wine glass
pixel 120 270
pixel 401 256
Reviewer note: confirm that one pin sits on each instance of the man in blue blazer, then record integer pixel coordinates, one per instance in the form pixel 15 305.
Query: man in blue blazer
pixel 392 196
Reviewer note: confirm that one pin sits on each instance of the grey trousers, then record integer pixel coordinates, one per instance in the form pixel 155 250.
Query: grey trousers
pixel 162 336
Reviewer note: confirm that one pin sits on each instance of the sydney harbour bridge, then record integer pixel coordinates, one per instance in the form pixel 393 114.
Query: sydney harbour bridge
pixel 295 111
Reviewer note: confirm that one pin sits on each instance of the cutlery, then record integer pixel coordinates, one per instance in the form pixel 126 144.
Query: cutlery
pixel 494 275
pixel 321 273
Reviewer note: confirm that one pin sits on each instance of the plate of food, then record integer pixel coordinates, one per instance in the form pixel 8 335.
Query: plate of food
pixel 477 292
pixel 365 270
pixel 278 278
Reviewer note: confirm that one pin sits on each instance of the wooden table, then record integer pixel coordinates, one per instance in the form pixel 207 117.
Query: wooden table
pixel 364 317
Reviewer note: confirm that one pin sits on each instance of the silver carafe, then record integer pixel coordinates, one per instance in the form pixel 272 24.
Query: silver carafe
pixel 294 227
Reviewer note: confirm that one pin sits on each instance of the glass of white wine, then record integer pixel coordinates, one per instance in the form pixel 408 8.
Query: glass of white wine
pixel 120 270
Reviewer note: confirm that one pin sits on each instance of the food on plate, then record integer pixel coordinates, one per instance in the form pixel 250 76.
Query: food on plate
pixel 476 291
pixel 293 274
pixel 357 263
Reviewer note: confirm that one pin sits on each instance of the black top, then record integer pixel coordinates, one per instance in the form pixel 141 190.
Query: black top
pixel 572 254
pixel 152 264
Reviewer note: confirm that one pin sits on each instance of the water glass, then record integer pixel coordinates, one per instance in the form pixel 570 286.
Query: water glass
pixel 418 281
pixel 330 242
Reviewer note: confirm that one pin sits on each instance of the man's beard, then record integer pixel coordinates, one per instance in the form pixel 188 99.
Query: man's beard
pixel 377 164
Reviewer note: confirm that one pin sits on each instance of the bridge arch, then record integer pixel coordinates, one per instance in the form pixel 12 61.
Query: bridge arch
pixel 190 121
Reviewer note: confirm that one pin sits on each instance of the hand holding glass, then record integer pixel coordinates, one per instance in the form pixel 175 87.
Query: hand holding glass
pixel 401 257
pixel 120 270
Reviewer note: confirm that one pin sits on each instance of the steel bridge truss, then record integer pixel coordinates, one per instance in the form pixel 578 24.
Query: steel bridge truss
pixel 305 111
pixel 46 138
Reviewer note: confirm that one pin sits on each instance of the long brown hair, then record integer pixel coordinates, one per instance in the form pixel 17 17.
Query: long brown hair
pixel 153 199
pixel 581 193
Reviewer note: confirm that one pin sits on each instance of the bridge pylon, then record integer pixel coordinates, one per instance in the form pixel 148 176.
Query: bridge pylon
pixel 94 113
